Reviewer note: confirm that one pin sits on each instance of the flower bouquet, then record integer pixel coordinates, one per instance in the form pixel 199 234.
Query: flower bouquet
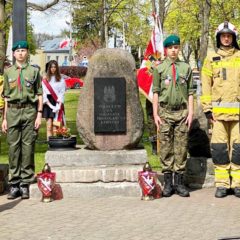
pixel 62 140
pixel 62 132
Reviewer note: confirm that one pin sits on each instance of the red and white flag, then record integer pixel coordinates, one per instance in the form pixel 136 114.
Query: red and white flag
pixel 152 56
pixel 64 43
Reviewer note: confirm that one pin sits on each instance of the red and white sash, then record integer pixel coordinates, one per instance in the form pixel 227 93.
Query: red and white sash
pixel 59 119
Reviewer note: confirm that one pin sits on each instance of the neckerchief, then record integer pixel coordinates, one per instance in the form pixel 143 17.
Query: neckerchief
pixel 174 73
pixel 20 79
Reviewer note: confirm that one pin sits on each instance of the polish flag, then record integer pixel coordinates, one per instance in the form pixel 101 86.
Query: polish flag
pixel 64 43
pixel 152 57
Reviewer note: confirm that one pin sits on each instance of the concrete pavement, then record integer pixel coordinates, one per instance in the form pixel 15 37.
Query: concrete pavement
pixel 200 217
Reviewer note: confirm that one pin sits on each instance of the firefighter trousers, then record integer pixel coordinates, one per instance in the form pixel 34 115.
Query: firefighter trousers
pixel 225 146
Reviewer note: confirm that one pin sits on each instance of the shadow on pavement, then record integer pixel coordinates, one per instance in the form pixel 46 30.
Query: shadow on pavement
pixel 229 238
pixel 9 205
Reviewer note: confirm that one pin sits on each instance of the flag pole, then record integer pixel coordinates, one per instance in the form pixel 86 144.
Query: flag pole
pixel 154 9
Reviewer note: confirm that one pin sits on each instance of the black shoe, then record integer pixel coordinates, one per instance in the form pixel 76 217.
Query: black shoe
pixel 168 186
pixel 237 191
pixel 221 192
pixel 14 192
pixel 24 190
pixel 180 189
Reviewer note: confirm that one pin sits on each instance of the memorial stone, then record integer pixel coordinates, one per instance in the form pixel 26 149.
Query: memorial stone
pixel 110 122
pixel 110 116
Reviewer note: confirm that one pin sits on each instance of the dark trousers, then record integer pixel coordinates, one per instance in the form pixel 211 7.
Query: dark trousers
pixel 21 138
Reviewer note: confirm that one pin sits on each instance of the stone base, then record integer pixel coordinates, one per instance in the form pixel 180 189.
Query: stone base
pixel 93 190
pixel 86 158
pixel 199 172
pixel 90 174
pixel 87 173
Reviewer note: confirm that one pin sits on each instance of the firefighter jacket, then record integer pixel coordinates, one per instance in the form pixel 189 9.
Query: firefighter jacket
pixel 221 84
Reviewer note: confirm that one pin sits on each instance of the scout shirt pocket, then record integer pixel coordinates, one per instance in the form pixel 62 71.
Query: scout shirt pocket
pixel 30 79
pixel 29 83
pixel 12 83
pixel 183 84
pixel 166 81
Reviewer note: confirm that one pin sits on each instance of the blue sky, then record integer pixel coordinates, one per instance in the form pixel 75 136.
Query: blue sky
pixel 51 21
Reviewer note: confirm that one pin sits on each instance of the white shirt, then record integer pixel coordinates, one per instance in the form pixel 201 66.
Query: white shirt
pixel 58 87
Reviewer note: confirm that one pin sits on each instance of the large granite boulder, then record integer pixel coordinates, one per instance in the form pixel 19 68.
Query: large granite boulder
pixel 114 64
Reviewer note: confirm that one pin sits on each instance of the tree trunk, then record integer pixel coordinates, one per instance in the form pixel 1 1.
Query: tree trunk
pixel 2 34
pixel 162 11
pixel 154 9
pixel 103 24
pixel 205 8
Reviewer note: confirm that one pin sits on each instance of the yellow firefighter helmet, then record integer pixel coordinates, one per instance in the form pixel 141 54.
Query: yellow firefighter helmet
pixel 227 27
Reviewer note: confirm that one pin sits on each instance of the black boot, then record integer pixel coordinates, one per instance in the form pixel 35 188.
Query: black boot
pixel 24 190
pixel 154 148
pixel 237 191
pixel 168 185
pixel 179 185
pixel 14 192
pixel 221 192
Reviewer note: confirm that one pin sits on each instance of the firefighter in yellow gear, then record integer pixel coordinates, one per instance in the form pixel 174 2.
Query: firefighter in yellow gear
pixel 221 105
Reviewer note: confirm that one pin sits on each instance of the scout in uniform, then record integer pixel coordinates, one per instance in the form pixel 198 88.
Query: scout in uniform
pixel 173 113
pixel 22 92
pixel 221 104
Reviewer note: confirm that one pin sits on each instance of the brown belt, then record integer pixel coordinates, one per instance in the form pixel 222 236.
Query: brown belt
pixel 173 108
pixel 20 105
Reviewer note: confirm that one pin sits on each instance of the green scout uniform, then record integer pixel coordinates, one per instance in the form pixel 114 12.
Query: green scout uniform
pixel 173 101
pixel 21 115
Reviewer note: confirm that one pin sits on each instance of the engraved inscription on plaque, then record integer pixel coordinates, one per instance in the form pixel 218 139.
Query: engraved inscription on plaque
pixel 109 105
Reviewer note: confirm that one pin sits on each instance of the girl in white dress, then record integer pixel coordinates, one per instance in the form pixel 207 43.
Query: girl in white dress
pixel 53 97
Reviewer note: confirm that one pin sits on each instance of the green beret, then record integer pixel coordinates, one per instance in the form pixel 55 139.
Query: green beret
pixel 20 44
pixel 171 40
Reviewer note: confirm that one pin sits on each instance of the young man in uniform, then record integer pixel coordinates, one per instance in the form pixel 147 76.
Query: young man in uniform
pixel 22 92
pixel 173 113
pixel 221 101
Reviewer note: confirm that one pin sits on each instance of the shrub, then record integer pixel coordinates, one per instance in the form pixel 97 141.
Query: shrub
pixel 73 71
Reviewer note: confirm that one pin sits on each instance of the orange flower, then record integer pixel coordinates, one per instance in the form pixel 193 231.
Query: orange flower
pixel 62 132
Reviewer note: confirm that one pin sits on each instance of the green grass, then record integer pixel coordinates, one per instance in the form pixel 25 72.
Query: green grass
pixel 153 159
pixel 71 103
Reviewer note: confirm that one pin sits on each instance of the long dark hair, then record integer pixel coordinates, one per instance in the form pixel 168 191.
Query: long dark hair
pixel 48 70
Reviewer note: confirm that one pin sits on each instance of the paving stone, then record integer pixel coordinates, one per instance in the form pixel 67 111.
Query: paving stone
pixel 200 217
pixel 93 190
